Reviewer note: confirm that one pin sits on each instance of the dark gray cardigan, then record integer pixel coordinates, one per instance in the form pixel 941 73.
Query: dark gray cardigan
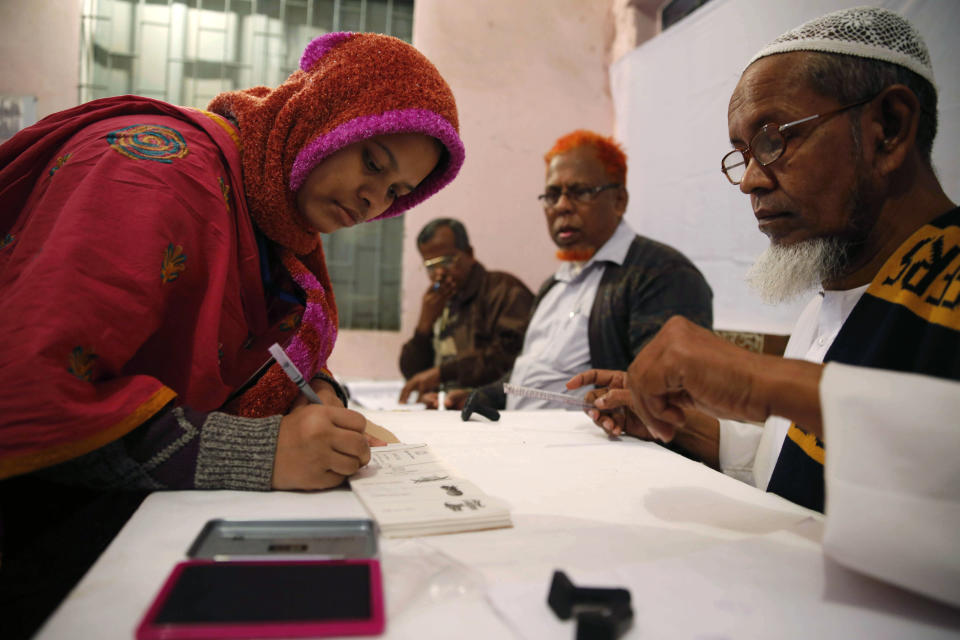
pixel 633 301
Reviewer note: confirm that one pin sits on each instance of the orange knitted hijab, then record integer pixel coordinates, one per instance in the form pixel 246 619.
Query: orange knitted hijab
pixel 350 86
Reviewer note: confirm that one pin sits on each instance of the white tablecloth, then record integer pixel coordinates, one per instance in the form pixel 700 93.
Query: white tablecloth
pixel 703 554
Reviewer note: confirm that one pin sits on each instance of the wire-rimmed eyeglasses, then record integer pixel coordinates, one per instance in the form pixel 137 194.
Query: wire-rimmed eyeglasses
pixel 768 144
pixel 575 193
pixel 433 264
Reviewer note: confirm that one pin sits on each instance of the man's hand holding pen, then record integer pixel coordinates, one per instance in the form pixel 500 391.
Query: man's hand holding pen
pixel 612 399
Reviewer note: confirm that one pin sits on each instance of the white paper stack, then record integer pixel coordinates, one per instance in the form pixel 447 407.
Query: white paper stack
pixel 409 492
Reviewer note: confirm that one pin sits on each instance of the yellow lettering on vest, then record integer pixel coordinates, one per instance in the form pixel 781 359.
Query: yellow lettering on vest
pixel 923 275
pixel 806 441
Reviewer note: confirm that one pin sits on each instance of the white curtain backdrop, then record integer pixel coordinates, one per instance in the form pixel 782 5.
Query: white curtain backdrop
pixel 670 95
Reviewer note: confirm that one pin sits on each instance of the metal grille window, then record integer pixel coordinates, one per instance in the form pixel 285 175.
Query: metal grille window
pixel 187 51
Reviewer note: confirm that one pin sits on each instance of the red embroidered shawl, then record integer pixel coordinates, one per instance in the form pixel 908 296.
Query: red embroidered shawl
pixel 129 274
pixel 128 265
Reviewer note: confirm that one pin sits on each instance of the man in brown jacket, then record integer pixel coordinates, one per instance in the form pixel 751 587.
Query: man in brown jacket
pixel 472 321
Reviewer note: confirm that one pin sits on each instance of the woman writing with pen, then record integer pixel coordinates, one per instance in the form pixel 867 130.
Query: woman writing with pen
pixel 150 254
pixel 153 253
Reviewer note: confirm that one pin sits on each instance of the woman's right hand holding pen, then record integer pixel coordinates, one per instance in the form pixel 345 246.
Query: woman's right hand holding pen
pixel 318 447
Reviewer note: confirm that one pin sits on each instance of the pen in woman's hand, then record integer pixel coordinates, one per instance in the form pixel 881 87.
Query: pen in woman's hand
pixel 293 373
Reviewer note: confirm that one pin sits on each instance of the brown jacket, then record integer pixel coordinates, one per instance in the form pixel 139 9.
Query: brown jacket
pixel 487 320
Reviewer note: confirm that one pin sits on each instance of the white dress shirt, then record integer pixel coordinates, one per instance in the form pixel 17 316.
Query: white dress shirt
pixel 556 346
pixel 749 452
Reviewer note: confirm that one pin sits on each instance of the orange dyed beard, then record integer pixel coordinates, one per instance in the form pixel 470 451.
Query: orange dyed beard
pixel 575 255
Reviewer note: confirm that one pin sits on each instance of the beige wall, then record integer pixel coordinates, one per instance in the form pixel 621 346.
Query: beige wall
pixel 39 46
pixel 523 74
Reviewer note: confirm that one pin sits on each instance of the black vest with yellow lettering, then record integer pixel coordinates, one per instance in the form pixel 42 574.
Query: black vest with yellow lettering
pixel 908 320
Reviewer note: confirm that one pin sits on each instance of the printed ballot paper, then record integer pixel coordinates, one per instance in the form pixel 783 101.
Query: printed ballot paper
pixel 409 492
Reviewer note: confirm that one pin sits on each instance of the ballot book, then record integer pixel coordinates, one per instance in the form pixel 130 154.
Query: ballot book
pixel 411 492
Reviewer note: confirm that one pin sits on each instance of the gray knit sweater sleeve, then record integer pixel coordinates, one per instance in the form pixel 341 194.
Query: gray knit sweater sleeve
pixel 236 453
pixel 180 449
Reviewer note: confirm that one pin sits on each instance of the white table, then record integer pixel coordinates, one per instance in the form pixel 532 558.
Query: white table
pixel 703 555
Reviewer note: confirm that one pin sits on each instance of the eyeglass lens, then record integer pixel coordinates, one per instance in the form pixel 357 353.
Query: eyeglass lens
pixel 766 147
pixel 734 166
pixel 768 144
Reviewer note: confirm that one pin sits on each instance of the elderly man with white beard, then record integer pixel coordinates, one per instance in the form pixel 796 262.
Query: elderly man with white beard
pixel 832 126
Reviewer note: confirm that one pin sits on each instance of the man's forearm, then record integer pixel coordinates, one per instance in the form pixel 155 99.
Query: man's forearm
pixel 417 354
pixel 791 389
pixel 782 387
pixel 700 438
pixel 424 327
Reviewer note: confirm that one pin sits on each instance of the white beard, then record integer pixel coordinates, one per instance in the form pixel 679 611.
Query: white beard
pixel 781 273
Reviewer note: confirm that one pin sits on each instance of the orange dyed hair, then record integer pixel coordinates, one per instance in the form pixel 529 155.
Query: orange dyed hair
pixel 611 156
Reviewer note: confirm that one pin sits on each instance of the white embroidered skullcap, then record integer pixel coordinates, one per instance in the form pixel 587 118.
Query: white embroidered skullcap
pixel 867 32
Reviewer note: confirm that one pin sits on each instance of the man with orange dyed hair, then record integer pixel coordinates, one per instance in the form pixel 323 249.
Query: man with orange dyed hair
pixel 614 289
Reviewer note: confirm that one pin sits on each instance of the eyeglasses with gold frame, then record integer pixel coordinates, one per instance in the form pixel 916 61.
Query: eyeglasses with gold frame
pixel 768 144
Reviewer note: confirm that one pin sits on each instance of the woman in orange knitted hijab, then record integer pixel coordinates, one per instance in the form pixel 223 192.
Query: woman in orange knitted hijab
pixel 152 253
pixel 355 100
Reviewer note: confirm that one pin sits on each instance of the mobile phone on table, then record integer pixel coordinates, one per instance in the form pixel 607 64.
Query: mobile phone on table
pixel 279 598
pixel 248 539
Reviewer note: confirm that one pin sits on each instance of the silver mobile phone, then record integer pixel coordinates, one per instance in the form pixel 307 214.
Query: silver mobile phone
pixel 321 539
